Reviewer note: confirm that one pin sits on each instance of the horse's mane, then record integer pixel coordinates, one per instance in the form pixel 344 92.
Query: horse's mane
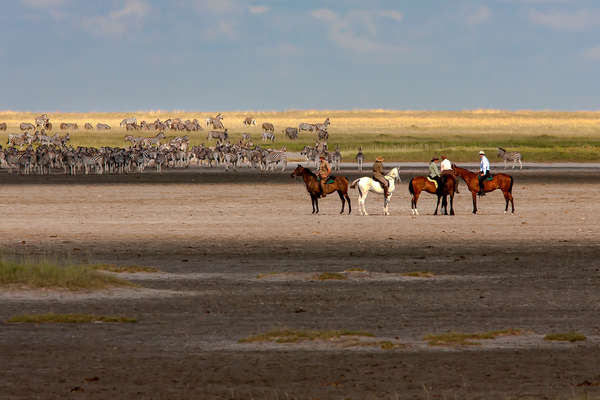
pixel 308 171
pixel 463 169
pixel 501 149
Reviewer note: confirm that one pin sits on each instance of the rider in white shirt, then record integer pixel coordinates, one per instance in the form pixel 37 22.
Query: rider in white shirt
pixel 484 171
pixel 446 169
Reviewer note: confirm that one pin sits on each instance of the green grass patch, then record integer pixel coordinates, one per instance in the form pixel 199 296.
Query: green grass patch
pixel 355 270
pixel 327 276
pixel 49 274
pixel 419 274
pixel 123 268
pixel 52 318
pixel 293 336
pixel 467 339
pixel 565 337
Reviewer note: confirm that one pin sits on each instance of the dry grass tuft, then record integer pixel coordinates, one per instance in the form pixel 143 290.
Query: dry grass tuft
pixel 419 274
pixel 292 336
pixel 466 339
pixel 52 318
pixel 565 337
pixel 268 275
pixel 355 270
pixel 326 276
pixel 124 268
pixel 48 274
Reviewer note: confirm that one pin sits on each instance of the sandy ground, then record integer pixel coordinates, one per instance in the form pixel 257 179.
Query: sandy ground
pixel 239 255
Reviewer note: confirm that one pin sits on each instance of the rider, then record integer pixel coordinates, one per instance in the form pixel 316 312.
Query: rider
pixel 324 171
pixel 446 169
pixel 484 171
pixel 434 173
pixel 379 176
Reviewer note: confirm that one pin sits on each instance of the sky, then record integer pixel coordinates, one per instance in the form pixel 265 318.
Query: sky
pixel 224 55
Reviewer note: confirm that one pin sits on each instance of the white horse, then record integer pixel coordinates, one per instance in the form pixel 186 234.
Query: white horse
pixel 366 185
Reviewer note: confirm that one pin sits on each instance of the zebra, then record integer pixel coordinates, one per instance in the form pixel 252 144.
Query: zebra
pixel 268 136
pixel 249 121
pixel 305 126
pixel 360 158
pixel 88 126
pixel 291 133
pixel 218 135
pixel 3 126
pixel 336 158
pixel 323 126
pixel 513 156
pixel 276 157
pixel 102 127
pixel 268 127
pixel 323 135
pixel 128 121
pixel 26 126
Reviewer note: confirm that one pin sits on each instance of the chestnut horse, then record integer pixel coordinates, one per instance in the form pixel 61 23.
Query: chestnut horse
pixel 339 185
pixel 503 182
pixel 421 183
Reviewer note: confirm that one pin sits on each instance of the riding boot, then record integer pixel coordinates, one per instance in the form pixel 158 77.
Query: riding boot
pixel 385 191
pixel 322 184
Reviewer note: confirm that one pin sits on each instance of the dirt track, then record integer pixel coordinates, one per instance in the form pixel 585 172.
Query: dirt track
pixel 214 234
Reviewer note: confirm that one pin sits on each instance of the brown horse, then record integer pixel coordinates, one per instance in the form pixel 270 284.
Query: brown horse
pixel 339 185
pixel 421 183
pixel 503 182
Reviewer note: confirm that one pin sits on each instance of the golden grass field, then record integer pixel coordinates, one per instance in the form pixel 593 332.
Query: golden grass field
pixel 397 135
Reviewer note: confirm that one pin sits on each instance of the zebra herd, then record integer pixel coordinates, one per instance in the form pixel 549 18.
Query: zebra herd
pixel 312 153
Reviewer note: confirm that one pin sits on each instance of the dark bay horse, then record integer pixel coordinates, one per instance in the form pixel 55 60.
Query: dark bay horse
pixel 339 185
pixel 419 184
pixel 503 182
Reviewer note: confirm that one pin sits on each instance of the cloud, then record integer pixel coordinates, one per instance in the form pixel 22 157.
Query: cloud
pixel 258 9
pixel 357 30
pixel 119 21
pixel 43 3
pixel 478 15
pixel 565 20
pixel 593 53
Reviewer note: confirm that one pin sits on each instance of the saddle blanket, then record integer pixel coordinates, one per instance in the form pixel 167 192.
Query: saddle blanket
pixel 330 179
pixel 433 181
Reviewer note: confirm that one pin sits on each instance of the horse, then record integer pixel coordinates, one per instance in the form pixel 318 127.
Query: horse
pixel 339 185
pixel 503 182
pixel 366 184
pixel 421 183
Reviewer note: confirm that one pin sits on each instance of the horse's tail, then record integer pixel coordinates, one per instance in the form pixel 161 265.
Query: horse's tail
pixel 410 186
pixel 353 184
pixel 510 186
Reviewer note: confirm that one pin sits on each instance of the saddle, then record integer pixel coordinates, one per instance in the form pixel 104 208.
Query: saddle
pixel 330 179
pixel 433 181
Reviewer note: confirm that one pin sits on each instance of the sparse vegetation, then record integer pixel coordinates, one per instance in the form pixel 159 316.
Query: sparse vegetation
pixel 68 318
pixel 326 276
pixel 355 270
pixel 467 339
pixel 419 274
pixel 395 135
pixel 123 268
pixel 565 337
pixel 267 275
pixel 293 336
pixel 49 274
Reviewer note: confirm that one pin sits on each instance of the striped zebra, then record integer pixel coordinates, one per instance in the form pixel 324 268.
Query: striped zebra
pixel 360 158
pixel 513 156
pixel 336 158
pixel 276 157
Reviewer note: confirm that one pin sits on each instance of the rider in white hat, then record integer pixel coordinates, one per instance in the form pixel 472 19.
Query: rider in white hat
pixel 484 172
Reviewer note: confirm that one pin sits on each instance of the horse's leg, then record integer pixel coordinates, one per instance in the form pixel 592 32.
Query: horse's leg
pixel 349 204
pixel 312 198
pixel 386 204
pixel 445 204
pixel 317 203
pixel 437 205
pixel 342 199
pixel 415 200
pixel 474 202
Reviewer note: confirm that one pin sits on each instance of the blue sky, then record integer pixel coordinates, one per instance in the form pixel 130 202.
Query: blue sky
pixel 204 55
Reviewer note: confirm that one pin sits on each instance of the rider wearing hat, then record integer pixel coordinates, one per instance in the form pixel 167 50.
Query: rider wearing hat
pixel 379 176
pixel 434 173
pixel 324 171
pixel 484 171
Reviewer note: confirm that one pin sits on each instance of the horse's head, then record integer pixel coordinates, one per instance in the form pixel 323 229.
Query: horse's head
pixel 298 171
pixel 394 173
